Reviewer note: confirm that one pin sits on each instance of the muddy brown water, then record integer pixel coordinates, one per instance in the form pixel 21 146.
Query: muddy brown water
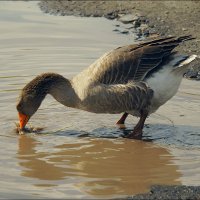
pixel 81 154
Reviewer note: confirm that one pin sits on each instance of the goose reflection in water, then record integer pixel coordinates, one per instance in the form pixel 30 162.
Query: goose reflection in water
pixel 98 167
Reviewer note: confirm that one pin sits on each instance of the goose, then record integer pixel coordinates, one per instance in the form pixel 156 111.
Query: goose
pixel 135 79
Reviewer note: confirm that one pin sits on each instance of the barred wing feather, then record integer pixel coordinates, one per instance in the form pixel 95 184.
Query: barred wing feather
pixel 133 62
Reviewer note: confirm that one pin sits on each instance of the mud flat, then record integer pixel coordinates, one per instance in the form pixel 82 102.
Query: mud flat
pixel 144 19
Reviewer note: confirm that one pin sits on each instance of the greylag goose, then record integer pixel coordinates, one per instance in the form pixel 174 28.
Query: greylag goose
pixel 135 79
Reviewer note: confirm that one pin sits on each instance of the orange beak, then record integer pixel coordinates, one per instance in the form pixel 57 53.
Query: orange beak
pixel 23 119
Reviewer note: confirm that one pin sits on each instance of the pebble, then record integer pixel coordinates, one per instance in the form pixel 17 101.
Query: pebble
pixel 136 23
pixel 129 26
pixel 124 32
pixel 192 74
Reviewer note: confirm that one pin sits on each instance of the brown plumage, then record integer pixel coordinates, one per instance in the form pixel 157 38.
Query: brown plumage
pixel 133 62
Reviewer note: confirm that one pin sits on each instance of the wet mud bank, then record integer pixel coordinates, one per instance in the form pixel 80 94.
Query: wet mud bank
pixel 143 19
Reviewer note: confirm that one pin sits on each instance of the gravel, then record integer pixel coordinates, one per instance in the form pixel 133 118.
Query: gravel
pixel 163 192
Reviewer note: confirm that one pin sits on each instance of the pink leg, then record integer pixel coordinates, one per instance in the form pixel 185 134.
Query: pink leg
pixel 137 131
pixel 123 118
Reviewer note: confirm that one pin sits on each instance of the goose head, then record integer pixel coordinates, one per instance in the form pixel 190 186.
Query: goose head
pixel 28 104
pixel 35 91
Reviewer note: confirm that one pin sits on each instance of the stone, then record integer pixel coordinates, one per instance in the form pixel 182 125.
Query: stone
pixel 128 18
pixel 191 74
pixel 116 30
pixel 129 26
pixel 124 32
pixel 136 23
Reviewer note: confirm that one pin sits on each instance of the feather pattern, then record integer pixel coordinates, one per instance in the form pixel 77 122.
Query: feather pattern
pixel 133 62
pixel 118 98
pixel 116 81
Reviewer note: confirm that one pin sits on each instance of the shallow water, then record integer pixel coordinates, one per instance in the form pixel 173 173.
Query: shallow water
pixel 80 154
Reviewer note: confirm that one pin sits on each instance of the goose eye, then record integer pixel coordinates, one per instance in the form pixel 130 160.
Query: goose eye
pixel 20 107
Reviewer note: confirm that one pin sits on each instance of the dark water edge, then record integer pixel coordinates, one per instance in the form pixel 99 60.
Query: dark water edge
pixel 170 192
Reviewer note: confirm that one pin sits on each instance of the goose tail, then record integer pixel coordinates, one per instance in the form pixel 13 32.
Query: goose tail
pixel 182 63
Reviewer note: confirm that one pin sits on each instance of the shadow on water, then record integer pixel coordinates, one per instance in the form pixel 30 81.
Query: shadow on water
pixel 175 135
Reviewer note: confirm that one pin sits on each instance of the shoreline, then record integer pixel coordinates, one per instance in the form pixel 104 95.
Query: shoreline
pixel 172 17
pixel 142 19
